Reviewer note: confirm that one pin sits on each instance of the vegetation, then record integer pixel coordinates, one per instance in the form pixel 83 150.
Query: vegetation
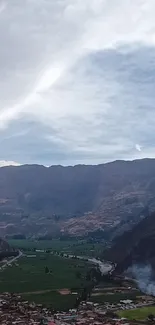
pixel 41 276
pixel 138 314
pixel 74 247
pixel 43 271
pixel 113 297
pixel 52 300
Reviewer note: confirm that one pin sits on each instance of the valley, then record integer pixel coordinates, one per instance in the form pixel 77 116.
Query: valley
pixel 43 273
pixel 77 240
pixel 50 274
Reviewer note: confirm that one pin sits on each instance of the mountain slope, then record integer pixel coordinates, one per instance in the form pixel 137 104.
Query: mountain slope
pixel 4 246
pixel 41 200
pixel 135 246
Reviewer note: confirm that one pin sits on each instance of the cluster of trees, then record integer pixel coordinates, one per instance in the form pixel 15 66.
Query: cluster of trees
pixel 16 236
pixel 151 317
pixel 8 254
pixel 93 277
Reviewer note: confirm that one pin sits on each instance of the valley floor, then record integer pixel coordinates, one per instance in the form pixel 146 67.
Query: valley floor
pixel 44 275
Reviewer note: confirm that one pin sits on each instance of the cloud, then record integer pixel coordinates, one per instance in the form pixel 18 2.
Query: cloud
pixel 138 147
pixel 82 75
pixel 2 6
pixel 8 163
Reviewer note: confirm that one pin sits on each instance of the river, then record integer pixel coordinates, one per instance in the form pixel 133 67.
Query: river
pixel 104 266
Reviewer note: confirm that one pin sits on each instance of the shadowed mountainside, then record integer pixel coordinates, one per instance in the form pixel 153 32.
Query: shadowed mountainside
pixel 6 250
pixel 135 246
pixel 4 246
pixel 102 196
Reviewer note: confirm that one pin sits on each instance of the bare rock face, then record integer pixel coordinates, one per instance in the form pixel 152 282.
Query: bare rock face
pixel 39 200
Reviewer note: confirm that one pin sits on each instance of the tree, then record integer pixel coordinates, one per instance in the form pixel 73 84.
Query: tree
pixel 46 269
pixel 84 294
pixel 151 317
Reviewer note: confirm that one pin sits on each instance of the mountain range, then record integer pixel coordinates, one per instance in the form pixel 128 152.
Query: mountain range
pixel 38 200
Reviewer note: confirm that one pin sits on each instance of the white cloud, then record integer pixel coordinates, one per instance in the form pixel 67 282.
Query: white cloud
pixel 138 147
pixel 8 163
pixel 52 74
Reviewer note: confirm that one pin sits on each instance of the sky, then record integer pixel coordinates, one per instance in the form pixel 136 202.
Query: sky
pixel 77 81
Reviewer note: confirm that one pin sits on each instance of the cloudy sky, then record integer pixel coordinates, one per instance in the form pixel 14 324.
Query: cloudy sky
pixel 77 81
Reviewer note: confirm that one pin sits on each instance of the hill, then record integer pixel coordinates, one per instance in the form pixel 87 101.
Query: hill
pixel 75 200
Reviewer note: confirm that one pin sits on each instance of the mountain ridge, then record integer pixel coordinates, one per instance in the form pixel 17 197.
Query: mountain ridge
pixel 74 199
pixel 87 165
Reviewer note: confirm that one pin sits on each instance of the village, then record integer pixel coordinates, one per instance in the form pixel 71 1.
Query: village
pixel 106 303
pixel 13 310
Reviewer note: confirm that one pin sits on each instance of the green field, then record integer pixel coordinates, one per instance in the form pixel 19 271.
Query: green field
pixel 54 244
pixel 75 247
pixel 138 314
pixel 52 300
pixel 113 298
pixel 30 274
pixel 28 277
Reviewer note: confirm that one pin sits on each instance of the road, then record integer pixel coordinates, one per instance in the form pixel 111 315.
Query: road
pixel 11 261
